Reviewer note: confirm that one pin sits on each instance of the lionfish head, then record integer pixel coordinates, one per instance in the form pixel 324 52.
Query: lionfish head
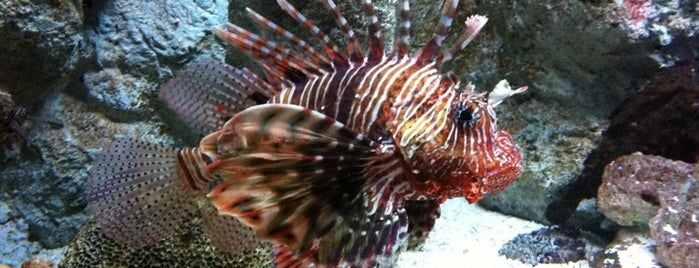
pixel 471 156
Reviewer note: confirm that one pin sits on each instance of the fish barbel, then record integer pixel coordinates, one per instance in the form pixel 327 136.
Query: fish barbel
pixel 321 154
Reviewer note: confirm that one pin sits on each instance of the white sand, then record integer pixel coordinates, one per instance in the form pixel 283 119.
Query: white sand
pixel 469 236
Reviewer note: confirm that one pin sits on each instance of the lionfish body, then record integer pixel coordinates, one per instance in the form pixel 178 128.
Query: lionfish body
pixel 321 155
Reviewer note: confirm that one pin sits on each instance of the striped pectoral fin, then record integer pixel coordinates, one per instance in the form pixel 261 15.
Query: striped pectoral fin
pixel 304 180
pixel 135 193
pixel 207 92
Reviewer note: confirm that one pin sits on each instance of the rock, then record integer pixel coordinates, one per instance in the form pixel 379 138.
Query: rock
pixel 551 245
pixel 16 247
pixel 139 43
pixel 43 45
pixel 554 48
pixel 662 119
pixel 121 51
pixel 47 186
pixel 652 191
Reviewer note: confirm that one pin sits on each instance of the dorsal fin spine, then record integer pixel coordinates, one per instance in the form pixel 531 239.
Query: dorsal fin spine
pixel 375 38
pixel 428 52
pixel 353 46
pixel 329 46
pixel 308 50
pixel 401 46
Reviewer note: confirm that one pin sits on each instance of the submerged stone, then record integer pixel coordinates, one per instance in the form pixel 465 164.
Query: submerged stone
pixel 662 194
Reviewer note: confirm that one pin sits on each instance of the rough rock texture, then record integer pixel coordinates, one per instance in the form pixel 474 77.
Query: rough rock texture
pixel 137 44
pixel 551 245
pixel 662 119
pixel 43 45
pixel 644 190
pixel 572 62
pixel 16 247
pixel 86 71
pixel 47 186
pixel 92 248
pixel 657 19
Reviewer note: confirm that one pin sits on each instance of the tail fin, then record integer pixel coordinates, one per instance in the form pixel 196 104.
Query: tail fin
pixel 135 194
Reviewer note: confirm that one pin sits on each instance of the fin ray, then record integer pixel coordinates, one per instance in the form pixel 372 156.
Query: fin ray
pixel 208 92
pixel 375 39
pixel 353 46
pixel 428 52
pixel 227 233
pixel 474 24
pixel 330 47
pixel 315 56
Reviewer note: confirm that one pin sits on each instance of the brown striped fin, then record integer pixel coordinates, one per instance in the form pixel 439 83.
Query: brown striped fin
pixel 302 179
pixel 353 46
pixel 427 53
pixel 135 193
pixel 375 39
pixel 282 63
pixel 330 47
pixel 273 54
pixel 314 55
pixel 474 24
pixel 401 46
pixel 207 92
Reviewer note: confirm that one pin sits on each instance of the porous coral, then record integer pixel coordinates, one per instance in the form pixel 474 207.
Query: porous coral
pixel 92 248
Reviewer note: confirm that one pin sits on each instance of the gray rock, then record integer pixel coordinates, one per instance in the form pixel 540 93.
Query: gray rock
pixel 43 44
pixel 139 43
pixel 122 50
pixel 16 247
pixel 551 245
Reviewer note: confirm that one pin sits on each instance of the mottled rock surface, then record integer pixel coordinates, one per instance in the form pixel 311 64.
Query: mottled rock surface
pixel 551 245
pixel 644 190
pixel 138 44
pixel 43 46
pixel 662 119
pixel 576 71
pixel 86 71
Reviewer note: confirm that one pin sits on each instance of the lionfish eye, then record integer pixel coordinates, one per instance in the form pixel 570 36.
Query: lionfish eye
pixel 466 116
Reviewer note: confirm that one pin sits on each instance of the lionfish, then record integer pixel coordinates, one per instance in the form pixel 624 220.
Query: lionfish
pixel 321 154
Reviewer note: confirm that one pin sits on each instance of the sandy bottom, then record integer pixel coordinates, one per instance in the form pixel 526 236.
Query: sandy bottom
pixel 470 236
